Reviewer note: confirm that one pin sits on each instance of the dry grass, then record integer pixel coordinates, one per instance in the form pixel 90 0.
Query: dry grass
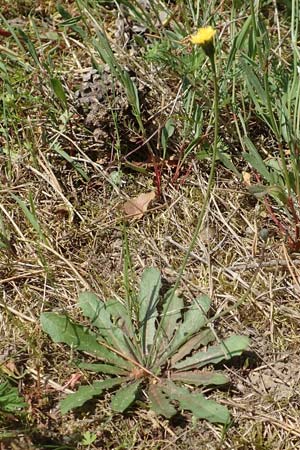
pixel 254 281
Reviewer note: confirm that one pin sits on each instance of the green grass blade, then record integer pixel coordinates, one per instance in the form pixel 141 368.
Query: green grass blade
pixel 56 147
pixel 238 42
pixel 253 157
pixel 30 47
pixel 59 91
pixel 104 49
pixel 105 52
pixel 132 95
pixel 256 89
pixel 31 217
pixel 70 21
pixel 139 14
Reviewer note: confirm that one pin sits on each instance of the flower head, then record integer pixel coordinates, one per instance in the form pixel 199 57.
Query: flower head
pixel 204 37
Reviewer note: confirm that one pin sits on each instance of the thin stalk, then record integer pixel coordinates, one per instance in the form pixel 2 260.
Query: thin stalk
pixel 210 185
pixel 210 179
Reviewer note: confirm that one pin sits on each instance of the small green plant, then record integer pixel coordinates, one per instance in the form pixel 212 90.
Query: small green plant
pixel 157 347
pixel 88 439
pixel 10 401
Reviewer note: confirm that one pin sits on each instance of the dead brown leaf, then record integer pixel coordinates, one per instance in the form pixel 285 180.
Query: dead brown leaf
pixel 136 207
pixel 247 178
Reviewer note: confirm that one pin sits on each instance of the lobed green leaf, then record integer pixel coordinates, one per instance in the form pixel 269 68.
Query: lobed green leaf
pixel 227 349
pixel 200 378
pixel 125 396
pixel 148 298
pixel 171 314
pixel 159 401
pixel 102 368
pixel 95 309
pixel 200 407
pixel 194 319
pixel 86 393
pixel 61 329
pixel 199 340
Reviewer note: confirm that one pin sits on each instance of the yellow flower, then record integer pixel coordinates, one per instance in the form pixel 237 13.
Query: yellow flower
pixel 203 36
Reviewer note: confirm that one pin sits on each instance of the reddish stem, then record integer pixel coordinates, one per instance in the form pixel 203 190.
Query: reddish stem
pixel 4 33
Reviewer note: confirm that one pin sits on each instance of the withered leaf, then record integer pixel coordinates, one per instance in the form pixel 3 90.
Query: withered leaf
pixel 247 178
pixel 136 207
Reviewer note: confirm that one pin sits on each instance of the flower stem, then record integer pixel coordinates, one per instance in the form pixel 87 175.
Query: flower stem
pixel 210 185
pixel 211 178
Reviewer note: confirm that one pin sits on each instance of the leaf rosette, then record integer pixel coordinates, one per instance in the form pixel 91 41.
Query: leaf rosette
pixel 162 347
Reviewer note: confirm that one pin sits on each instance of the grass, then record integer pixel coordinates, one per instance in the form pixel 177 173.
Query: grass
pixel 61 217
